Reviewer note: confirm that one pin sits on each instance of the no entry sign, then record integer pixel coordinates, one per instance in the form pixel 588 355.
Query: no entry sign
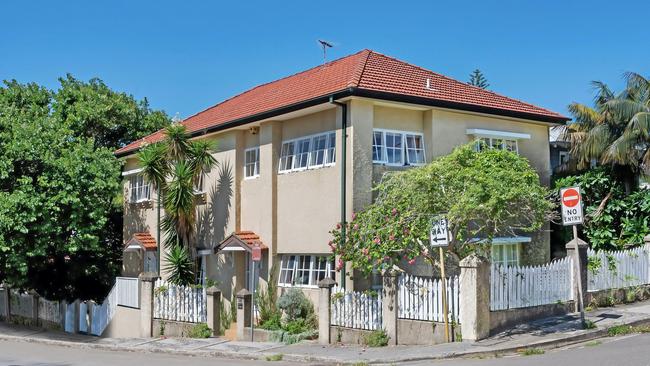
pixel 571 206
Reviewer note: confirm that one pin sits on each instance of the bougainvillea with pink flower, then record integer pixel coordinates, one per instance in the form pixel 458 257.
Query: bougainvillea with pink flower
pixel 482 194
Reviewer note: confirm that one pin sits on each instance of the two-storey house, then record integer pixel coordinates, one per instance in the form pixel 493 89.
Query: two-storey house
pixel 298 154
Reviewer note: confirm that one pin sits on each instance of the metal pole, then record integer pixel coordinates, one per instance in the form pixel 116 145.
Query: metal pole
pixel 444 292
pixel 344 127
pixel 253 302
pixel 578 275
pixel 158 231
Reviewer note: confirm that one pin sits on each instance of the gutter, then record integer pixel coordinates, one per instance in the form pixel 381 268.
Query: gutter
pixel 354 91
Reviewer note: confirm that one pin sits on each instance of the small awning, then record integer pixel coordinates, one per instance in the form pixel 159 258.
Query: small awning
pixel 501 240
pixel 141 241
pixel 240 241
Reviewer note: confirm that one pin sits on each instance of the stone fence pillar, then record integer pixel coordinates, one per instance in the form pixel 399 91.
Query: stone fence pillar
pixel 389 304
pixel 214 309
pixel 579 269
pixel 244 298
pixel 147 281
pixel 5 297
pixel 475 298
pixel 325 310
pixel 35 298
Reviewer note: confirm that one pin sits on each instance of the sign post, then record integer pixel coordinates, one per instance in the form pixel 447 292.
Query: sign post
pixel 439 237
pixel 571 201
pixel 256 256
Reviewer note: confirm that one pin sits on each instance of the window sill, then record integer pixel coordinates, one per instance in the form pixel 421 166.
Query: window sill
pixel 252 177
pixel 284 285
pixel 306 169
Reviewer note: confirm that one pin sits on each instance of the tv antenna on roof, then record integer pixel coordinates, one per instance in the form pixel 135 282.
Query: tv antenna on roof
pixel 325 46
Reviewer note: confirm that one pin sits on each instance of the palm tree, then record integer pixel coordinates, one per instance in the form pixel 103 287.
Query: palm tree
pixel 174 166
pixel 616 131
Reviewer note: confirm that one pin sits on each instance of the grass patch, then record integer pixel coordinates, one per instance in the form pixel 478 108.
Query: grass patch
pixel 277 357
pixel 593 343
pixel 531 351
pixel 376 338
pixel 361 363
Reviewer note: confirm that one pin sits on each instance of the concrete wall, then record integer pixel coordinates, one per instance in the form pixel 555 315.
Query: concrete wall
pixel 409 332
pixel 125 324
pixel 504 319
pixel 171 328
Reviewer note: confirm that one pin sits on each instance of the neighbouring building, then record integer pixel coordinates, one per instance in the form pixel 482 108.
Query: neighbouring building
pixel 280 154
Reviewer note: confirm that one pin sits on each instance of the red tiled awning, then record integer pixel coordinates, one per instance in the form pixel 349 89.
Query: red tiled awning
pixel 144 240
pixel 245 240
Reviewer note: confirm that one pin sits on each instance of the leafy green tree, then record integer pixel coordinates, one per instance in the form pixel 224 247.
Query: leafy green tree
pixel 91 109
pixel 616 131
pixel 175 166
pixel 483 195
pixel 477 78
pixel 60 196
pixel 613 220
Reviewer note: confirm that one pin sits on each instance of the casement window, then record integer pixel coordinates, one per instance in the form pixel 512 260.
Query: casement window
pixel 140 189
pixel 397 148
pixel 564 157
pixel 497 143
pixel 506 254
pixel 308 152
pixel 305 270
pixel 252 162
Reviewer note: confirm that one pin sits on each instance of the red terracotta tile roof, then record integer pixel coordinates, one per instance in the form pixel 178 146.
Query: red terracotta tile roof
pixel 147 241
pixel 363 72
pixel 250 238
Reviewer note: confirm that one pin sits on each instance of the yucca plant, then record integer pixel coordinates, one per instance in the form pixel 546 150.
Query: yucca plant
pixel 174 166
pixel 180 266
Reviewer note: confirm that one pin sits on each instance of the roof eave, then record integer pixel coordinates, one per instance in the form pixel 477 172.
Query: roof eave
pixel 367 93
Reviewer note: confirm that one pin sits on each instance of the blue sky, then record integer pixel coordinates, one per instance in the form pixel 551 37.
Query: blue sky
pixel 187 55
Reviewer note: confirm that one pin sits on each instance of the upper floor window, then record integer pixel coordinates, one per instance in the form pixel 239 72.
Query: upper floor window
pixel 305 270
pixel 497 143
pixel 140 189
pixel 252 162
pixel 308 152
pixel 199 187
pixel 397 148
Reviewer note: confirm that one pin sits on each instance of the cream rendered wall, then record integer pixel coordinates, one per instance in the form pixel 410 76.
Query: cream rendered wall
pixel 307 204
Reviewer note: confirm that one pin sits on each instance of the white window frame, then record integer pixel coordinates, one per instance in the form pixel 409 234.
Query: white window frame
pixel 255 163
pixel 563 154
pixel 405 161
pixel 492 135
pixel 134 186
pixel 491 143
pixel 199 187
pixel 330 144
pixel 312 271
pixel 505 249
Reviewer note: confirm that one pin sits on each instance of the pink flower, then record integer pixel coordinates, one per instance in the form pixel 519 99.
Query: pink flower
pixel 338 226
pixel 354 216
pixel 364 251
pixel 394 211
pixel 391 237
pixel 377 240
pixel 412 261
pixel 339 265
pixel 356 226
pixel 406 231
pixel 386 258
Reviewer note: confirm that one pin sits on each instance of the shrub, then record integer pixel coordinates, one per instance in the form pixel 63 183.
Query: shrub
pixel 267 300
pixel 273 323
pixel 532 351
pixel 296 326
pixel 200 330
pixel 277 357
pixel 590 324
pixel 295 305
pixel 376 338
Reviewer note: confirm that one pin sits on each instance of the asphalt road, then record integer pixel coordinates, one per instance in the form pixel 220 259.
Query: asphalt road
pixel 633 350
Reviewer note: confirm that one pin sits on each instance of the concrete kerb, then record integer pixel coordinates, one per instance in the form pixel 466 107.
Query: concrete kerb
pixel 588 335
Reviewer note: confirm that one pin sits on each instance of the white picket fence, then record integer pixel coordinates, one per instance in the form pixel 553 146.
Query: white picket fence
pixel 628 268
pixel 520 287
pixel 357 310
pixel 420 298
pixel 179 303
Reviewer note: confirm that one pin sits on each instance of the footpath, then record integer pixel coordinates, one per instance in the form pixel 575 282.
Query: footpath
pixel 545 333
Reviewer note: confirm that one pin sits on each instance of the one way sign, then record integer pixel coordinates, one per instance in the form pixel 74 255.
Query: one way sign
pixel 439 235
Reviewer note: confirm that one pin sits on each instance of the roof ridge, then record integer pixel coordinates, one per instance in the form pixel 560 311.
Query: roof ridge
pixel 327 64
pixel 460 82
pixel 362 67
